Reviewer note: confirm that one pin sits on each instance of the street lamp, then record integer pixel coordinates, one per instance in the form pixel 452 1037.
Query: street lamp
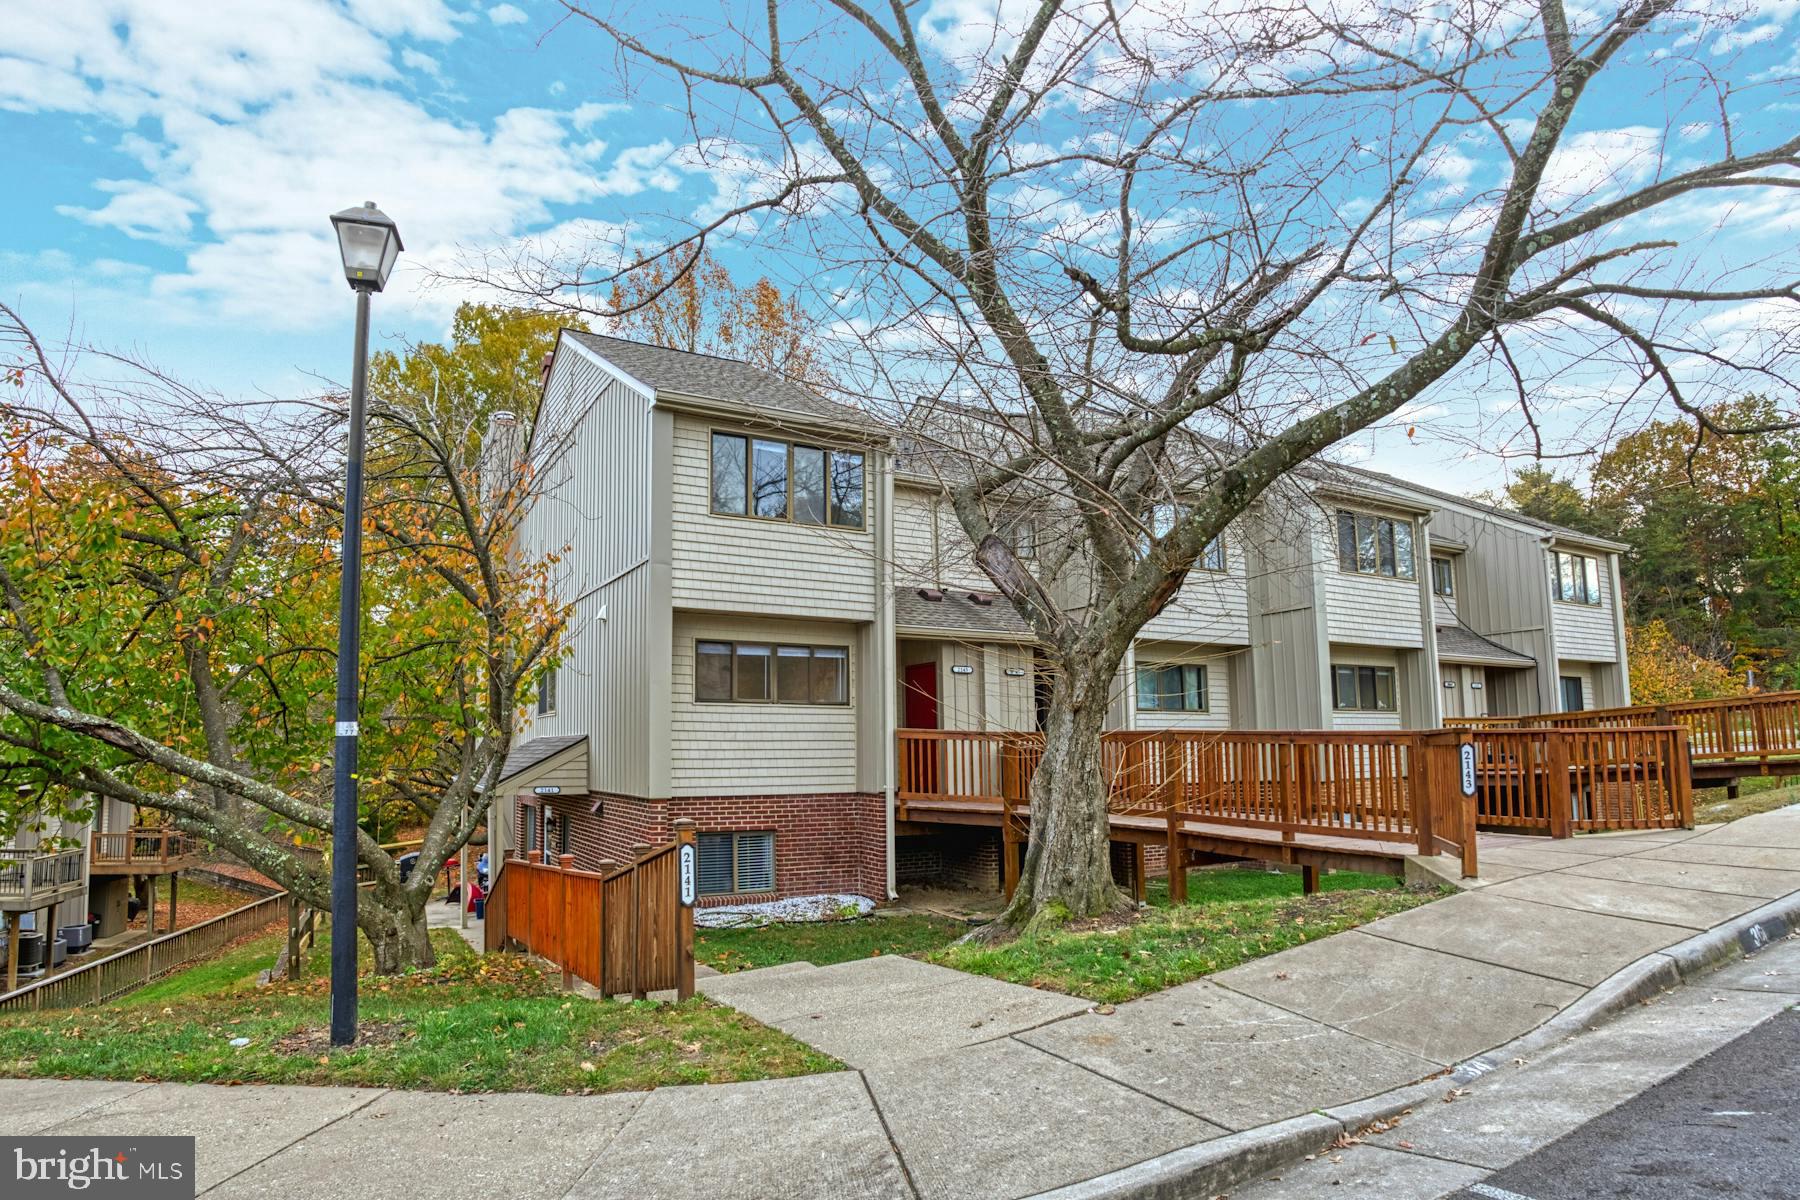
pixel 369 242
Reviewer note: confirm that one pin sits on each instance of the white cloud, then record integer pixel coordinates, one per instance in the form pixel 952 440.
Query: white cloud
pixel 419 61
pixel 507 14
pixel 1598 161
pixel 139 210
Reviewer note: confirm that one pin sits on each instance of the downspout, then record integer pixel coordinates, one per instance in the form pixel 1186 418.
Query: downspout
pixel 1618 603
pixel 889 676
pixel 1549 685
pixel 1433 681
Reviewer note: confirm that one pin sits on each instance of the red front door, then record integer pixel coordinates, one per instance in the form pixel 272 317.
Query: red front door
pixel 920 770
pixel 921 696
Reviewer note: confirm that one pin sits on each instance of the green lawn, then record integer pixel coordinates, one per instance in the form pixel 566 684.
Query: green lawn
pixel 1755 795
pixel 469 1024
pixel 1231 918
pixel 822 942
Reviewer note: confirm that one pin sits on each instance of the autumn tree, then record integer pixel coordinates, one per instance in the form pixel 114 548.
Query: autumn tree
pixel 1163 255
pixel 1664 671
pixel 169 575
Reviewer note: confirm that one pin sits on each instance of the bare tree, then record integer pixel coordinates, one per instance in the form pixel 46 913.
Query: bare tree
pixel 1174 251
pixel 169 577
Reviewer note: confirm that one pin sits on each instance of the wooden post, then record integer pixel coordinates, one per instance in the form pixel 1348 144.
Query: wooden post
pixel 293 945
pixel 1009 856
pixel 637 919
pixel 12 949
pixel 1682 779
pixel 462 886
pixel 1175 780
pixel 1140 866
pixel 1427 776
pixel 564 862
pixel 174 894
pixel 686 834
pixel 1559 794
pixel 1309 880
pixel 534 858
pixel 150 913
pixel 607 867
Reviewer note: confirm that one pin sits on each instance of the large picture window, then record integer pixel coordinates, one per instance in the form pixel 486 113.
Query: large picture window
pixel 1577 578
pixel 1372 545
pixel 731 863
pixel 770 673
pixel 1175 687
pixel 785 481
pixel 1362 689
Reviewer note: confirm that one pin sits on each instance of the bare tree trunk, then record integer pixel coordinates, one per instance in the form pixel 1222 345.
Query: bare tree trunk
pixel 396 929
pixel 1068 868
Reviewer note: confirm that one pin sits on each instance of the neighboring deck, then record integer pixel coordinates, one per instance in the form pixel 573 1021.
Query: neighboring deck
pixel 36 879
pixel 145 850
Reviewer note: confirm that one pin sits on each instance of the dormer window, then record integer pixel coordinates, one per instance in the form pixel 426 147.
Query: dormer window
pixel 786 481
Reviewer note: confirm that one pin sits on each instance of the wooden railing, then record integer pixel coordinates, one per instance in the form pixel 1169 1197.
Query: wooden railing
pixel 623 929
pixel 1729 729
pixel 118 974
pixel 1563 781
pixel 27 875
pixel 143 846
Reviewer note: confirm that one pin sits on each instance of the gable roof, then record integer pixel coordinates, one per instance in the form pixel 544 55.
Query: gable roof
pixel 1455 643
pixel 535 753
pixel 709 377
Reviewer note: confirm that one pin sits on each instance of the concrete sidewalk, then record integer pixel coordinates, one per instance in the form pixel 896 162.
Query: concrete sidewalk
pixel 967 1087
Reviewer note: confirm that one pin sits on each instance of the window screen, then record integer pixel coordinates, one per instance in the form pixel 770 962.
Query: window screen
pixel 1172 688
pixel 732 863
pixel 1363 689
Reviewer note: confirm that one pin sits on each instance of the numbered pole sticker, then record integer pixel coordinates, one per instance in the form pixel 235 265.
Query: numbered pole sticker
pixel 1466 752
pixel 690 876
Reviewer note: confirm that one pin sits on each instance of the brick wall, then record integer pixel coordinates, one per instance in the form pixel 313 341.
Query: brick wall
pixel 962 858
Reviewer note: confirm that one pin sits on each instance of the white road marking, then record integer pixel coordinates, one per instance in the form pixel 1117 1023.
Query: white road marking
pixel 1495 1193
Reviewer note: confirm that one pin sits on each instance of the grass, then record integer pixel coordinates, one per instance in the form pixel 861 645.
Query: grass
pixel 1231 918
pixel 823 942
pixel 1755 795
pixel 470 1024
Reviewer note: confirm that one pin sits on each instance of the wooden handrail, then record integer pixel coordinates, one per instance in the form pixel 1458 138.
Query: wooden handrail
pixel 141 845
pixel 1725 729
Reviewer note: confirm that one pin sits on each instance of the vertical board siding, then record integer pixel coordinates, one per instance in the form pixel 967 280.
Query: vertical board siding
pixel 741 564
pixel 594 510
pixel 735 749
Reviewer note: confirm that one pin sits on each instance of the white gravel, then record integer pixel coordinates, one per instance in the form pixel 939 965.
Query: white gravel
pixel 780 912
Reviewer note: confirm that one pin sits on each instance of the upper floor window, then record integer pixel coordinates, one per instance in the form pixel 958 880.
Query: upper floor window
pixel 1162 521
pixel 1577 578
pixel 767 673
pixel 784 481
pixel 546 694
pixel 1024 538
pixel 1362 689
pixel 1371 545
pixel 1172 688
pixel 1443 577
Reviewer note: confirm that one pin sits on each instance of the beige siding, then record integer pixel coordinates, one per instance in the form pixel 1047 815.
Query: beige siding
pixel 1369 610
pixel 1212 606
pixel 741 564
pixel 1364 656
pixel 915 562
pixel 1585 631
pixel 595 510
pixel 1218 687
pixel 760 749
pixel 1582 671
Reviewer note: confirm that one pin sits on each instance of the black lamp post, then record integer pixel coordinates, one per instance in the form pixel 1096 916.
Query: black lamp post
pixel 369 242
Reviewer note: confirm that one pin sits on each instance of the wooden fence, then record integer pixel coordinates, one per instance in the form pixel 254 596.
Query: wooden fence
pixel 623 928
pixel 1570 780
pixel 128 970
pixel 149 847
pixel 1731 729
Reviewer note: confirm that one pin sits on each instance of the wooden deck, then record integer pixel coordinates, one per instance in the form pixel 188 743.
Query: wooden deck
pixel 1320 800
pixel 36 879
pixel 143 850
pixel 1729 738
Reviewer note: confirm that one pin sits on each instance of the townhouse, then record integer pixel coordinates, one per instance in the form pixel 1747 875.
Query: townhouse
pixel 767 587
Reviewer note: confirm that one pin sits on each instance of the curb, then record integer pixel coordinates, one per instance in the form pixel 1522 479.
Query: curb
pixel 1210 1168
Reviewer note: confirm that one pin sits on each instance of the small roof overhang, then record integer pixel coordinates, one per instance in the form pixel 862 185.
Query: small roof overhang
pixel 1458 645
pixel 532 760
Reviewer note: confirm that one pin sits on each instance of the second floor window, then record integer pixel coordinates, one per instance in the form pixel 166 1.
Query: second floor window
pixel 1362 689
pixel 1371 545
pixel 546 697
pixel 785 481
pixel 1577 578
pixel 768 673
pixel 1443 577
pixel 1162 520
pixel 1171 688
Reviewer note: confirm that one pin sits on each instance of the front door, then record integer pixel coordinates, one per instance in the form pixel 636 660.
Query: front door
pixel 920 770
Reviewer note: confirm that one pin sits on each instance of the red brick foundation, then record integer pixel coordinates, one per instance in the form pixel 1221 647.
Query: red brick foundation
pixel 834 842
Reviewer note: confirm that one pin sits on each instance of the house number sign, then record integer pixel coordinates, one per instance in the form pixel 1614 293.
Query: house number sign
pixel 1466 752
pixel 547 789
pixel 690 875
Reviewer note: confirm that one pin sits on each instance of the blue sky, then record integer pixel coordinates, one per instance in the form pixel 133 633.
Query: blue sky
pixel 171 169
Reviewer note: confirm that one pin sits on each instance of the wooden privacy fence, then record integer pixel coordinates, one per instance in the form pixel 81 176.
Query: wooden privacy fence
pixel 624 929
pixel 128 970
pixel 1730 729
pixel 1571 780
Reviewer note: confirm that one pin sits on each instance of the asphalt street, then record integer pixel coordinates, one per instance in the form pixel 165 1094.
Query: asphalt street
pixel 1722 1127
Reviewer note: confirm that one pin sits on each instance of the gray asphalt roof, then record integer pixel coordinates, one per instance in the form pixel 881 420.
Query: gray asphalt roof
pixel 527 755
pixel 956 613
pixel 709 377
pixel 1457 643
